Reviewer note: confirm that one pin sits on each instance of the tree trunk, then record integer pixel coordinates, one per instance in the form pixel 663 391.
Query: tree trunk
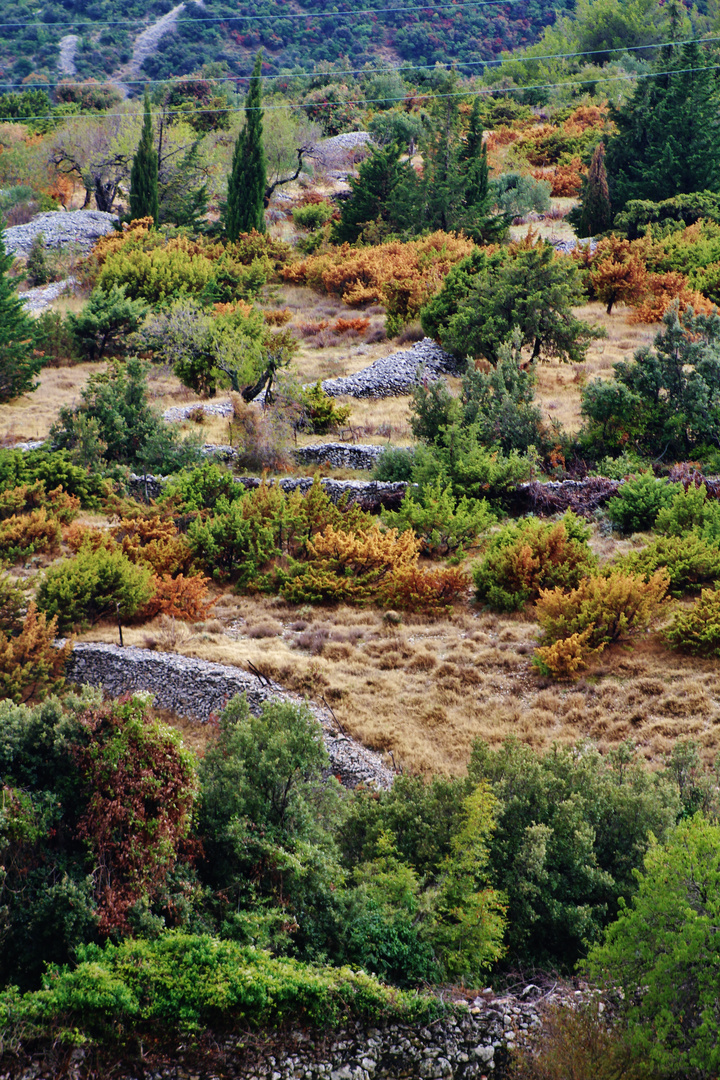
pixel 104 195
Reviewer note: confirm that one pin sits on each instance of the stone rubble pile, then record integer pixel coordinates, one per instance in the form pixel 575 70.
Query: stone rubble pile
pixel 60 229
pixel 42 296
pixel 178 413
pixel 198 689
pixel 397 374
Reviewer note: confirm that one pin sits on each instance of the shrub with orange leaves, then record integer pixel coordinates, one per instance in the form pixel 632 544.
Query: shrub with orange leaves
pixel 618 272
pixel 24 534
pixel 155 541
pixel 26 497
pixel 79 536
pixel 401 276
pixel 664 290
pixel 179 597
pixel 276 318
pixel 565 180
pixel 31 665
pixel 566 657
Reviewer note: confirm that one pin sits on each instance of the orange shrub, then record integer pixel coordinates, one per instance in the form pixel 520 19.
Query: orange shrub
pixel 154 541
pixel 358 326
pixel 180 598
pixel 27 497
pixel 565 180
pixel 31 665
pixel 564 658
pixel 24 534
pixel 276 318
pixel 618 272
pixel 401 276
pixel 428 591
pixel 79 536
pixel 662 291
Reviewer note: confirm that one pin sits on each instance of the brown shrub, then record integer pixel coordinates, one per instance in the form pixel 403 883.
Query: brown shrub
pixel 27 533
pixel 31 666
pixel 179 597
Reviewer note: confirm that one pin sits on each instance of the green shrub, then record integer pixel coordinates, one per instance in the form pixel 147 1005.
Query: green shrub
pixel 54 340
pixel 530 555
pixel 201 488
pixel 94 585
pixel 321 413
pixel 639 501
pixel 473 469
pixel 690 511
pixel 624 465
pixel 105 321
pixel 182 983
pixel 691 561
pixel 394 464
pixel 697 630
pixel 312 216
pixel 56 470
pixel 443 524
pixel 517 195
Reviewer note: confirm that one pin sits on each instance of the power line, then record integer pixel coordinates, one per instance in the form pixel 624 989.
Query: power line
pixel 373 101
pixel 289 15
pixel 377 71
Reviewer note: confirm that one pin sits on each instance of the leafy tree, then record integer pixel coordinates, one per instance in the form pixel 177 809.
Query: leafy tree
pixel 594 215
pixel 115 425
pixel 529 288
pixel 501 402
pixel 662 954
pixel 516 194
pixel 144 173
pixel 572 827
pixel 667 141
pixel 18 365
pixel 92 586
pixel 666 401
pixel 639 214
pixel 442 523
pixel 107 318
pixel 248 174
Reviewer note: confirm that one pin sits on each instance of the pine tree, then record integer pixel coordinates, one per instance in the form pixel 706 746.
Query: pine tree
pixel 144 173
pixel 248 176
pixel 376 197
pixel 18 364
pixel 594 215
pixel 668 139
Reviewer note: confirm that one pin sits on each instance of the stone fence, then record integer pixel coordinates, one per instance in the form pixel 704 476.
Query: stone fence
pixel 465 1044
pixel 372 495
pixel 199 689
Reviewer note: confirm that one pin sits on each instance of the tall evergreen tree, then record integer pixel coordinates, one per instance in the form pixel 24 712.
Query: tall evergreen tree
pixel 594 215
pixel 668 136
pixel 376 195
pixel 248 176
pixel 18 364
pixel 144 173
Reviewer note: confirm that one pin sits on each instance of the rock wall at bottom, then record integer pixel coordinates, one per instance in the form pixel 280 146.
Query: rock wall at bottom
pixel 460 1046
pixel 198 688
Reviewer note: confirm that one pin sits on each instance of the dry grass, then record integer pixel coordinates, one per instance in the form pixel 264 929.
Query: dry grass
pixel 32 415
pixel 426 690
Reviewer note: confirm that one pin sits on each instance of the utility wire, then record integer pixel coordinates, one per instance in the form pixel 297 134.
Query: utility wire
pixel 371 72
pixel 290 106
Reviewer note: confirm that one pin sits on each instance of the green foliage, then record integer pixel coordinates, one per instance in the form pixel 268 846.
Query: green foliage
pixel 54 340
pixel 432 410
pixel 667 400
pixel 201 488
pixel 501 403
pixel 461 459
pixel 444 525
pixel 665 943
pixel 265 820
pixel 37 270
pixel 395 463
pixel 517 195
pixel 572 827
pixel 639 501
pixel 182 983
pixel 374 197
pixel 18 363
pixel 144 173
pixel 666 143
pixel 528 288
pixel 622 467
pixel 639 214
pixel 106 320
pixel 690 561
pixel 690 511
pixel 321 413
pixel 313 216
pixel 530 555
pixel 115 425
pixel 92 586
pixel 697 629
pixel 54 469
pixel 594 215
pixel 248 174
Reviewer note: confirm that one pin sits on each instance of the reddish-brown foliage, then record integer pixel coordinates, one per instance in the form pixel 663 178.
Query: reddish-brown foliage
pixel 180 598
pixel 31 665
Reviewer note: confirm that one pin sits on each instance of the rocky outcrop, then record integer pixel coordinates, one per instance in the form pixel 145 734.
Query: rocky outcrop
pixel 397 374
pixel 76 228
pixel 198 689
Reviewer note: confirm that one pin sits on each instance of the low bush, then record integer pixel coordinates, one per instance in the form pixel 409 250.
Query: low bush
pixel 28 497
pixel 639 501
pixel 321 413
pixel 394 464
pixel 54 341
pixel 690 511
pixel 182 983
pixel 531 555
pixel 442 524
pixel 313 216
pixel 517 195
pixel 690 561
pixel 92 586
pixel 566 657
pixel 24 534
pixel 179 598
pixel 697 630
pixel 155 542
pixel 55 469
pixel 610 606
pixel 31 665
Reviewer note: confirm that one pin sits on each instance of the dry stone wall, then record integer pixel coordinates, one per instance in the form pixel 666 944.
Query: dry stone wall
pixel 197 689
pixel 397 374
pixel 370 494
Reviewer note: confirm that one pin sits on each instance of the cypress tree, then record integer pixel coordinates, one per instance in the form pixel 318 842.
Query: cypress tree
pixel 144 173
pixel 248 176
pixel 376 196
pixel 594 215
pixel 18 364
